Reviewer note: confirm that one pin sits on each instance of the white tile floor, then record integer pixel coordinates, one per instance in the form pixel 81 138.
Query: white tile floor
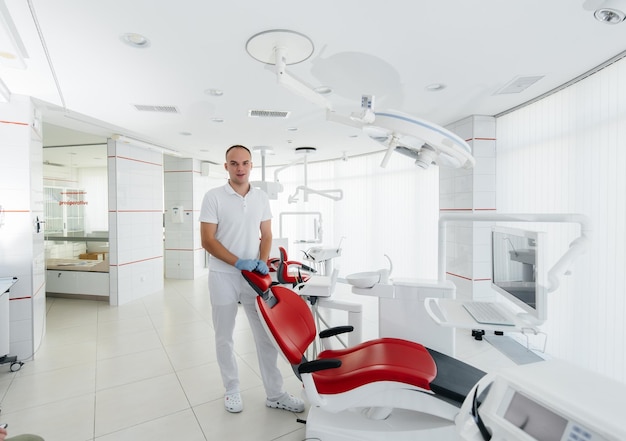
pixel 147 371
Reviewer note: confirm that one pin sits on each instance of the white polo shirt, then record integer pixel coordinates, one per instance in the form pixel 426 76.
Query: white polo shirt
pixel 238 220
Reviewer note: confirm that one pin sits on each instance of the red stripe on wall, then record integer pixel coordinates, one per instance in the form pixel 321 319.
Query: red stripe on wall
pixel 138 261
pixel 14 122
pixel 138 160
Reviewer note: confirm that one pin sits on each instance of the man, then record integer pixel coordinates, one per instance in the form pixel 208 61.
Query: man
pixel 236 230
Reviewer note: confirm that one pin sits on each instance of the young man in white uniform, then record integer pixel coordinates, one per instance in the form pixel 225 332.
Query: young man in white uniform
pixel 236 230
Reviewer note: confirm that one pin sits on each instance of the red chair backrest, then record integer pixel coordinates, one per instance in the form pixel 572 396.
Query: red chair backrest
pixel 282 274
pixel 290 321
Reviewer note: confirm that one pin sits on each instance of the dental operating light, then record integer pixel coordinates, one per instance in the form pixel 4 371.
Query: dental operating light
pixel 422 140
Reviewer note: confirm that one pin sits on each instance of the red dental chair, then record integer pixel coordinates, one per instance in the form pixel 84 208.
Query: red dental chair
pixel 289 272
pixel 382 389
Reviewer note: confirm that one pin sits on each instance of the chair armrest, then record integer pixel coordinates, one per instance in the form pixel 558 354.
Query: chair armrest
pixel 318 365
pixel 336 330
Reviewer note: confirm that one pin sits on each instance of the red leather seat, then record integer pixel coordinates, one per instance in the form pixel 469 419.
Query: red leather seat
pixel 290 322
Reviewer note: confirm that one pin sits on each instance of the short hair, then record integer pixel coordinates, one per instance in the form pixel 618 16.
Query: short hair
pixel 237 146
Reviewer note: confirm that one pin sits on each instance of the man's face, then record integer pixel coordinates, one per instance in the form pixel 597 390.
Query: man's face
pixel 238 165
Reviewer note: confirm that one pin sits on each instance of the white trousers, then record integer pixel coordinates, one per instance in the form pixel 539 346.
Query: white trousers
pixel 226 290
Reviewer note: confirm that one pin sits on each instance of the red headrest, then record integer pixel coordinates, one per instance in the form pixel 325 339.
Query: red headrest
pixel 259 282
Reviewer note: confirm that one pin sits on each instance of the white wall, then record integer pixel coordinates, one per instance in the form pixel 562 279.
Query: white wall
pixel 392 210
pixel 567 153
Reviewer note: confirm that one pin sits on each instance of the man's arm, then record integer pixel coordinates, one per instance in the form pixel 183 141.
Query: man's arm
pixel 266 240
pixel 214 246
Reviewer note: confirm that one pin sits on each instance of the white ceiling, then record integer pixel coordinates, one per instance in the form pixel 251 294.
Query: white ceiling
pixel 89 81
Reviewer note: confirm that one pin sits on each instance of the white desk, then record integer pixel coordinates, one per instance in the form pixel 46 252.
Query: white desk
pixel 450 313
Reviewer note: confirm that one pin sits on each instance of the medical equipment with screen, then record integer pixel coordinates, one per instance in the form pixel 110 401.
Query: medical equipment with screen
pixel 518 270
pixel 546 401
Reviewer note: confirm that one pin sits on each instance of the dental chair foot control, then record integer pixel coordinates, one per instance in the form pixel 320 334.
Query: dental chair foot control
pixel 478 334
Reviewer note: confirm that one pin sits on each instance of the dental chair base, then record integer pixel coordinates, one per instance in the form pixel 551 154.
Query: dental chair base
pixel 401 425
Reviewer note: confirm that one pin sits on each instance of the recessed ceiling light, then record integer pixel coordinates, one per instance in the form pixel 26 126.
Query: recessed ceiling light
pixel 214 92
pixel 205 150
pixel 135 40
pixel 435 87
pixel 353 136
pixel 217 120
pixel 292 129
pixel 323 90
pixel 185 133
pixel 609 15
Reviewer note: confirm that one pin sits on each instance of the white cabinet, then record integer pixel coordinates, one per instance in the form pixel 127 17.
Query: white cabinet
pixel 77 282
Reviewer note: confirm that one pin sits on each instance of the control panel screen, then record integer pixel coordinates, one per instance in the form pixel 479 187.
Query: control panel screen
pixel 534 419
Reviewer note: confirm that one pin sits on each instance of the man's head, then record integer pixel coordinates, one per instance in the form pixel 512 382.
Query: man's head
pixel 238 164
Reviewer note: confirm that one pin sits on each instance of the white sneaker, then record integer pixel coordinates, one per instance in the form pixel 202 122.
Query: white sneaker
pixel 287 402
pixel 233 402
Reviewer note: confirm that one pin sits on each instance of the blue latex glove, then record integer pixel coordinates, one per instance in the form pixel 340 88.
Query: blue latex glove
pixel 246 264
pixel 262 267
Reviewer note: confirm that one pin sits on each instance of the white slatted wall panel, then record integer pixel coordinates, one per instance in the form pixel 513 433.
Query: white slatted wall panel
pixel 567 153
pixel 391 211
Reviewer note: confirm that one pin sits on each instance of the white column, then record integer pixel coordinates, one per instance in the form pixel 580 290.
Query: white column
pixel 21 205
pixel 135 221
pixel 468 244
pixel 184 189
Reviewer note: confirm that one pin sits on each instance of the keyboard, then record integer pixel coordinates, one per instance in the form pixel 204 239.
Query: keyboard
pixel 488 314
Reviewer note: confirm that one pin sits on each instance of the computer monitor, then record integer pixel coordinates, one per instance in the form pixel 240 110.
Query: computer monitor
pixel 518 270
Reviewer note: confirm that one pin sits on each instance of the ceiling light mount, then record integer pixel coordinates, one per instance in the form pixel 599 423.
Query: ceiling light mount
pixel 262 46
pixel 305 150
pixel 263 149
pixel 281 48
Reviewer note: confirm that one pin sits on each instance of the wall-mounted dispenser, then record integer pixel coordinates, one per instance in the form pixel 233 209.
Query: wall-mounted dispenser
pixel 177 214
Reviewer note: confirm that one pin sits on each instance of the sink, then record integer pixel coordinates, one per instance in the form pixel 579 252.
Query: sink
pixel 363 280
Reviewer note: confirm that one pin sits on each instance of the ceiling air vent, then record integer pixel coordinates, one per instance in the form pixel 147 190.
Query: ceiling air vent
pixel 268 114
pixel 519 84
pixel 162 109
